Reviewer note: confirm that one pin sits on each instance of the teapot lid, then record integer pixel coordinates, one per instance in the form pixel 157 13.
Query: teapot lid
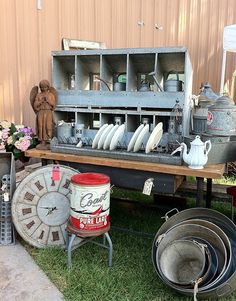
pixel 197 141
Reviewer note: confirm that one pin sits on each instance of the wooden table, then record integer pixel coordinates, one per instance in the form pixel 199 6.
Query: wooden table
pixel 210 172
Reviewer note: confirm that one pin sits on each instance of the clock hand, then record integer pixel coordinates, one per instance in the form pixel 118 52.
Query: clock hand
pixel 46 208
pixel 50 210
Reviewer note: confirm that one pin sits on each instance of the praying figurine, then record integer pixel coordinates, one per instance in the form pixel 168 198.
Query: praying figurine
pixel 43 104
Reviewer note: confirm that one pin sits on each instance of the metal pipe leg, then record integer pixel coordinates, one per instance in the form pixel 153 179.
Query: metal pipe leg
pixel 110 248
pixel 104 240
pixel 73 236
pixel 67 239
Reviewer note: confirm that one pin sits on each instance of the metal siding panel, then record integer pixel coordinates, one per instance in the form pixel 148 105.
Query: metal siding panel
pixel 103 21
pixel 68 19
pixel 119 24
pixel 86 20
pixel 29 35
pixel 133 17
pixel 147 31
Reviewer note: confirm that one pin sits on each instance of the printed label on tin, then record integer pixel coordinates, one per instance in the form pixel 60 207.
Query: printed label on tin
pixel 209 118
pixel 90 206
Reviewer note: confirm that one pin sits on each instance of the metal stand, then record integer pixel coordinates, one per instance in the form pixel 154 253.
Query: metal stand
pixel 70 237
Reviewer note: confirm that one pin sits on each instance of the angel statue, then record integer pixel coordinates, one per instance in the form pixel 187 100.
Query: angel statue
pixel 43 104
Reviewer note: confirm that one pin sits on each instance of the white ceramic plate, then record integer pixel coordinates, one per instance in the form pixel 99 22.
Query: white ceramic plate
pixel 98 135
pixel 141 138
pixel 154 138
pixel 134 137
pixel 104 135
pixel 117 136
pixel 109 137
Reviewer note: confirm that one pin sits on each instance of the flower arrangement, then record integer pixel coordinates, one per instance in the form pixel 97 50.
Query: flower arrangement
pixel 16 138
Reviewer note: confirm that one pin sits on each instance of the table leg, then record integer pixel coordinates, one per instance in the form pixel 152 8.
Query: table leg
pixel 208 193
pixel 44 162
pixel 199 198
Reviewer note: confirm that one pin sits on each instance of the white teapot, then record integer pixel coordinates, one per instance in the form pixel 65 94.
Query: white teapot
pixel 198 153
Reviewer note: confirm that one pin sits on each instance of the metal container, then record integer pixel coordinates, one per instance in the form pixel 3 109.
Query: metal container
pixel 224 264
pixel 64 131
pixel 183 261
pixel 173 85
pixel 90 203
pixel 195 231
pixel 221 119
pixel 79 130
pixel 228 284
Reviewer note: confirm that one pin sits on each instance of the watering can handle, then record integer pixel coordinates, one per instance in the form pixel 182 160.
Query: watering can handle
pixel 173 71
pixel 207 146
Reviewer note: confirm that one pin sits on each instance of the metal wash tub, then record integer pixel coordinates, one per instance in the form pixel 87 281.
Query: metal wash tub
pixel 228 281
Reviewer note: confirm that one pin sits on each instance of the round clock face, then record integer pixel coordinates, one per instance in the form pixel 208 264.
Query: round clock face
pixel 41 206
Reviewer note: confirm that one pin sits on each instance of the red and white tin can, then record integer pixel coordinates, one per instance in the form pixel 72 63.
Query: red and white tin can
pixel 90 202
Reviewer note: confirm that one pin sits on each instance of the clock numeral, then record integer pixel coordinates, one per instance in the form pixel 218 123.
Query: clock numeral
pixel 26 211
pixel 41 235
pixel 67 184
pixel 29 196
pixel 38 185
pixel 55 236
pixel 29 225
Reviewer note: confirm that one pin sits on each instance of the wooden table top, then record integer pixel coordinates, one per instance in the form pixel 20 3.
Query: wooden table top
pixel 215 171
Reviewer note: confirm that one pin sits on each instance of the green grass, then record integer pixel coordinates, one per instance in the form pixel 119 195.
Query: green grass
pixel 132 277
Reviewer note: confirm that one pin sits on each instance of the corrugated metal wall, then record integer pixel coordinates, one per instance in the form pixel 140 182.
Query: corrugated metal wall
pixel 28 36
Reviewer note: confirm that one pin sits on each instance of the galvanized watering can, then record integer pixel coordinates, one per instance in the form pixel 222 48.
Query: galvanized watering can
pixel 173 85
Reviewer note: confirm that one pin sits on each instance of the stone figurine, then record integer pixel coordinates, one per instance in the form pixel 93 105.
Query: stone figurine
pixel 43 104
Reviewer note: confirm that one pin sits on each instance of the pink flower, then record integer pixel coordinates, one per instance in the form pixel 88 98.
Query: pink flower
pixel 5 133
pixel 2 146
pixel 9 140
pixel 22 144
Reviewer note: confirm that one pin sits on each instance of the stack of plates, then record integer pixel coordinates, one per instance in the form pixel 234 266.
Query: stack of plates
pixel 140 137
pixel 108 136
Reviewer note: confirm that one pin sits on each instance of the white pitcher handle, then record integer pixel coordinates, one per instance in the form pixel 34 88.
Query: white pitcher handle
pixel 207 146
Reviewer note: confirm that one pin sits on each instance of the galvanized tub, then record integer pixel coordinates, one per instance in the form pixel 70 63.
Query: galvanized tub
pixel 179 232
pixel 224 265
pixel 183 261
pixel 229 283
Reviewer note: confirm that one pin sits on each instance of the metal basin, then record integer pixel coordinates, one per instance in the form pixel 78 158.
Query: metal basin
pixel 228 284
pixel 183 261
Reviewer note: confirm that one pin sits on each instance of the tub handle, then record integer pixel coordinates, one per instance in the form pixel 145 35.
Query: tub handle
pixel 167 213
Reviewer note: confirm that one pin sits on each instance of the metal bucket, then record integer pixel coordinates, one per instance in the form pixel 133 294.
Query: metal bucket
pixel 224 264
pixel 173 85
pixel 183 261
pixel 64 132
pixel 228 284
pixel 90 203
pixel 211 266
pixel 195 231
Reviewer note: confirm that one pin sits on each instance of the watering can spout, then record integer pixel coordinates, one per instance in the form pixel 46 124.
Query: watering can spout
pixel 178 149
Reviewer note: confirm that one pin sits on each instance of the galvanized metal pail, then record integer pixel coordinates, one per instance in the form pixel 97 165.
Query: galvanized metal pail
pixel 183 261
pixel 64 132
